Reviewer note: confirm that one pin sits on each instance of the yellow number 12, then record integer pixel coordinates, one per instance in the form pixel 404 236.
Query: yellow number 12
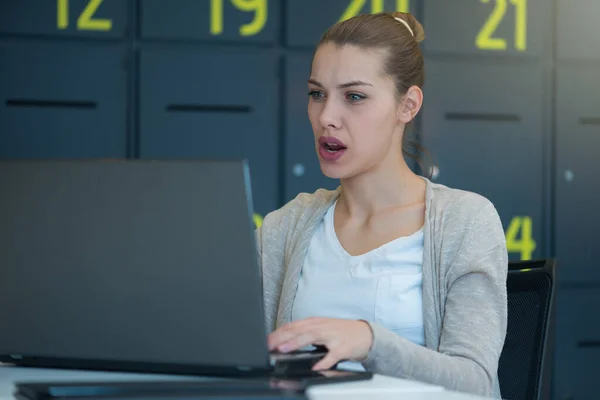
pixel 484 39
pixel 85 22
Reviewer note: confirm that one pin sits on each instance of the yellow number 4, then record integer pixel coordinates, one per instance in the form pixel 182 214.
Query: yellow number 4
pixel 258 220
pixel 525 245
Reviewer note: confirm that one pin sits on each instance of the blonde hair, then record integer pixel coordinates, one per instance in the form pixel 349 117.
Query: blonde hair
pixel 404 62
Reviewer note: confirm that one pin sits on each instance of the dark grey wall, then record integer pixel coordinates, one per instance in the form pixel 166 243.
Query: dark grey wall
pixel 513 114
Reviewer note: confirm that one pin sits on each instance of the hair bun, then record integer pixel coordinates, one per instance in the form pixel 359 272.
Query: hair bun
pixel 414 26
pixel 403 22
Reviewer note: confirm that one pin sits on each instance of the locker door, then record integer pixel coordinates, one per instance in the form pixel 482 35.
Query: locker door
pixel 80 18
pixel 519 28
pixel 217 21
pixel 302 170
pixel 62 100
pixel 213 104
pixel 483 124
pixel 577 165
pixel 577 29
pixel 577 343
pixel 307 20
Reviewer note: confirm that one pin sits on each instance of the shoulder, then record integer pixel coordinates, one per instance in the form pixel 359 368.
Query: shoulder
pixel 467 231
pixel 300 211
pixel 465 222
pixel 458 209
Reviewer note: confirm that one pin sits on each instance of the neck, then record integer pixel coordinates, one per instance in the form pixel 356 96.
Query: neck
pixel 382 188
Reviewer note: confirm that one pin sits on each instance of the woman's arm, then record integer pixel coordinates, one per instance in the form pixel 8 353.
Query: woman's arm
pixel 475 317
pixel 270 246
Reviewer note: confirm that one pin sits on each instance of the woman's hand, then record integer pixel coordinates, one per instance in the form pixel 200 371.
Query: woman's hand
pixel 345 339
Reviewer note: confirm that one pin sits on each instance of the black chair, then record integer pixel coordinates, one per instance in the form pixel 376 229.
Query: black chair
pixel 525 368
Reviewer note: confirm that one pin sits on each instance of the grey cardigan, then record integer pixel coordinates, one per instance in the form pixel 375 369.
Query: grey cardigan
pixel 465 265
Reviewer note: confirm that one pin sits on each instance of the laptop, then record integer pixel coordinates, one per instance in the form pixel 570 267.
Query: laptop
pixel 134 265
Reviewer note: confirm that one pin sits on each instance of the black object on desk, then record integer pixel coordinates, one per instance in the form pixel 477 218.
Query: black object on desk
pixel 223 389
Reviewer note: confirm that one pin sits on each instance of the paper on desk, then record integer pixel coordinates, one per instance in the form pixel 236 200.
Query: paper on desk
pixel 379 384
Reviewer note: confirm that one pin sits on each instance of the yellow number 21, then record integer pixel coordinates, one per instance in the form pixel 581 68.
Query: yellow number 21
pixel 525 245
pixel 260 16
pixel 85 22
pixel 484 39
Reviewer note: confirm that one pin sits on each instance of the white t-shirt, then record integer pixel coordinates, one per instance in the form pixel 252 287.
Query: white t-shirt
pixel 383 285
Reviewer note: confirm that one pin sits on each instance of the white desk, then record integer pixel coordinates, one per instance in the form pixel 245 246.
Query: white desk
pixel 379 388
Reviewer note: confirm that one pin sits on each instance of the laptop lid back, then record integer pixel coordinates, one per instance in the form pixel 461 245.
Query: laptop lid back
pixel 147 262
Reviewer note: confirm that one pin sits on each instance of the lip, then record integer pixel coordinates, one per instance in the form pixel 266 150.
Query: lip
pixel 330 157
pixel 323 140
pixel 326 155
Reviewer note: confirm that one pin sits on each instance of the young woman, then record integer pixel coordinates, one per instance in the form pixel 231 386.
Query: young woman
pixel 393 272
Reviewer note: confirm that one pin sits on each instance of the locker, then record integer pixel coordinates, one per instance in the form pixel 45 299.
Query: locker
pixel 577 190
pixel 302 170
pixel 307 20
pixel 62 100
pixel 214 20
pixel 213 104
pixel 577 343
pixel 577 29
pixel 492 27
pixel 485 134
pixel 80 18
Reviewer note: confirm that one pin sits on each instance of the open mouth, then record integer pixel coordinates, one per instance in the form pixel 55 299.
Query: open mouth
pixel 331 144
pixel 330 148
pixel 333 147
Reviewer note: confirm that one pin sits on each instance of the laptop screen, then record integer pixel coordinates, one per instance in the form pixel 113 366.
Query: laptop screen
pixel 142 261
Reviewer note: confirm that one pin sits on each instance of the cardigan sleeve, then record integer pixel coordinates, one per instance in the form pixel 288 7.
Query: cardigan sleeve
pixel 270 246
pixel 474 322
pixel 270 269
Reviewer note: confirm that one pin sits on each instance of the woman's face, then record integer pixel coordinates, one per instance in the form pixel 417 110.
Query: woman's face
pixel 353 109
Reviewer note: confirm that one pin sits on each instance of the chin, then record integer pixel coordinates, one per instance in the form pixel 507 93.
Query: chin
pixel 334 171
pixel 335 167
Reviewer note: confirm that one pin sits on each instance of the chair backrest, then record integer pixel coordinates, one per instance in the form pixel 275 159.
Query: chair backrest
pixel 525 368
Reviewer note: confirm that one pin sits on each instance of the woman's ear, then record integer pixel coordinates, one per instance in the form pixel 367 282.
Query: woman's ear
pixel 410 105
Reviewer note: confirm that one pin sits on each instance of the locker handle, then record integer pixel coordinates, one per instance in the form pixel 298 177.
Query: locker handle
pixel 588 344
pixel 37 103
pixel 589 121
pixel 201 108
pixel 458 116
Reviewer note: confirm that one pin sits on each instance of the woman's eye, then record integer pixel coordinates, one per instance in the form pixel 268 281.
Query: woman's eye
pixel 315 94
pixel 354 97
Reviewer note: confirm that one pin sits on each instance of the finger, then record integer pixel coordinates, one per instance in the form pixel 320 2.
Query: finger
pixel 289 331
pixel 327 362
pixel 277 338
pixel 298 342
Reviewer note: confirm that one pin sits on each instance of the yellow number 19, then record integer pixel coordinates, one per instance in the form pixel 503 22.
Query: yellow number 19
pixel 86 21
pixel 484 39
pixel 259 7
pixel 376 6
